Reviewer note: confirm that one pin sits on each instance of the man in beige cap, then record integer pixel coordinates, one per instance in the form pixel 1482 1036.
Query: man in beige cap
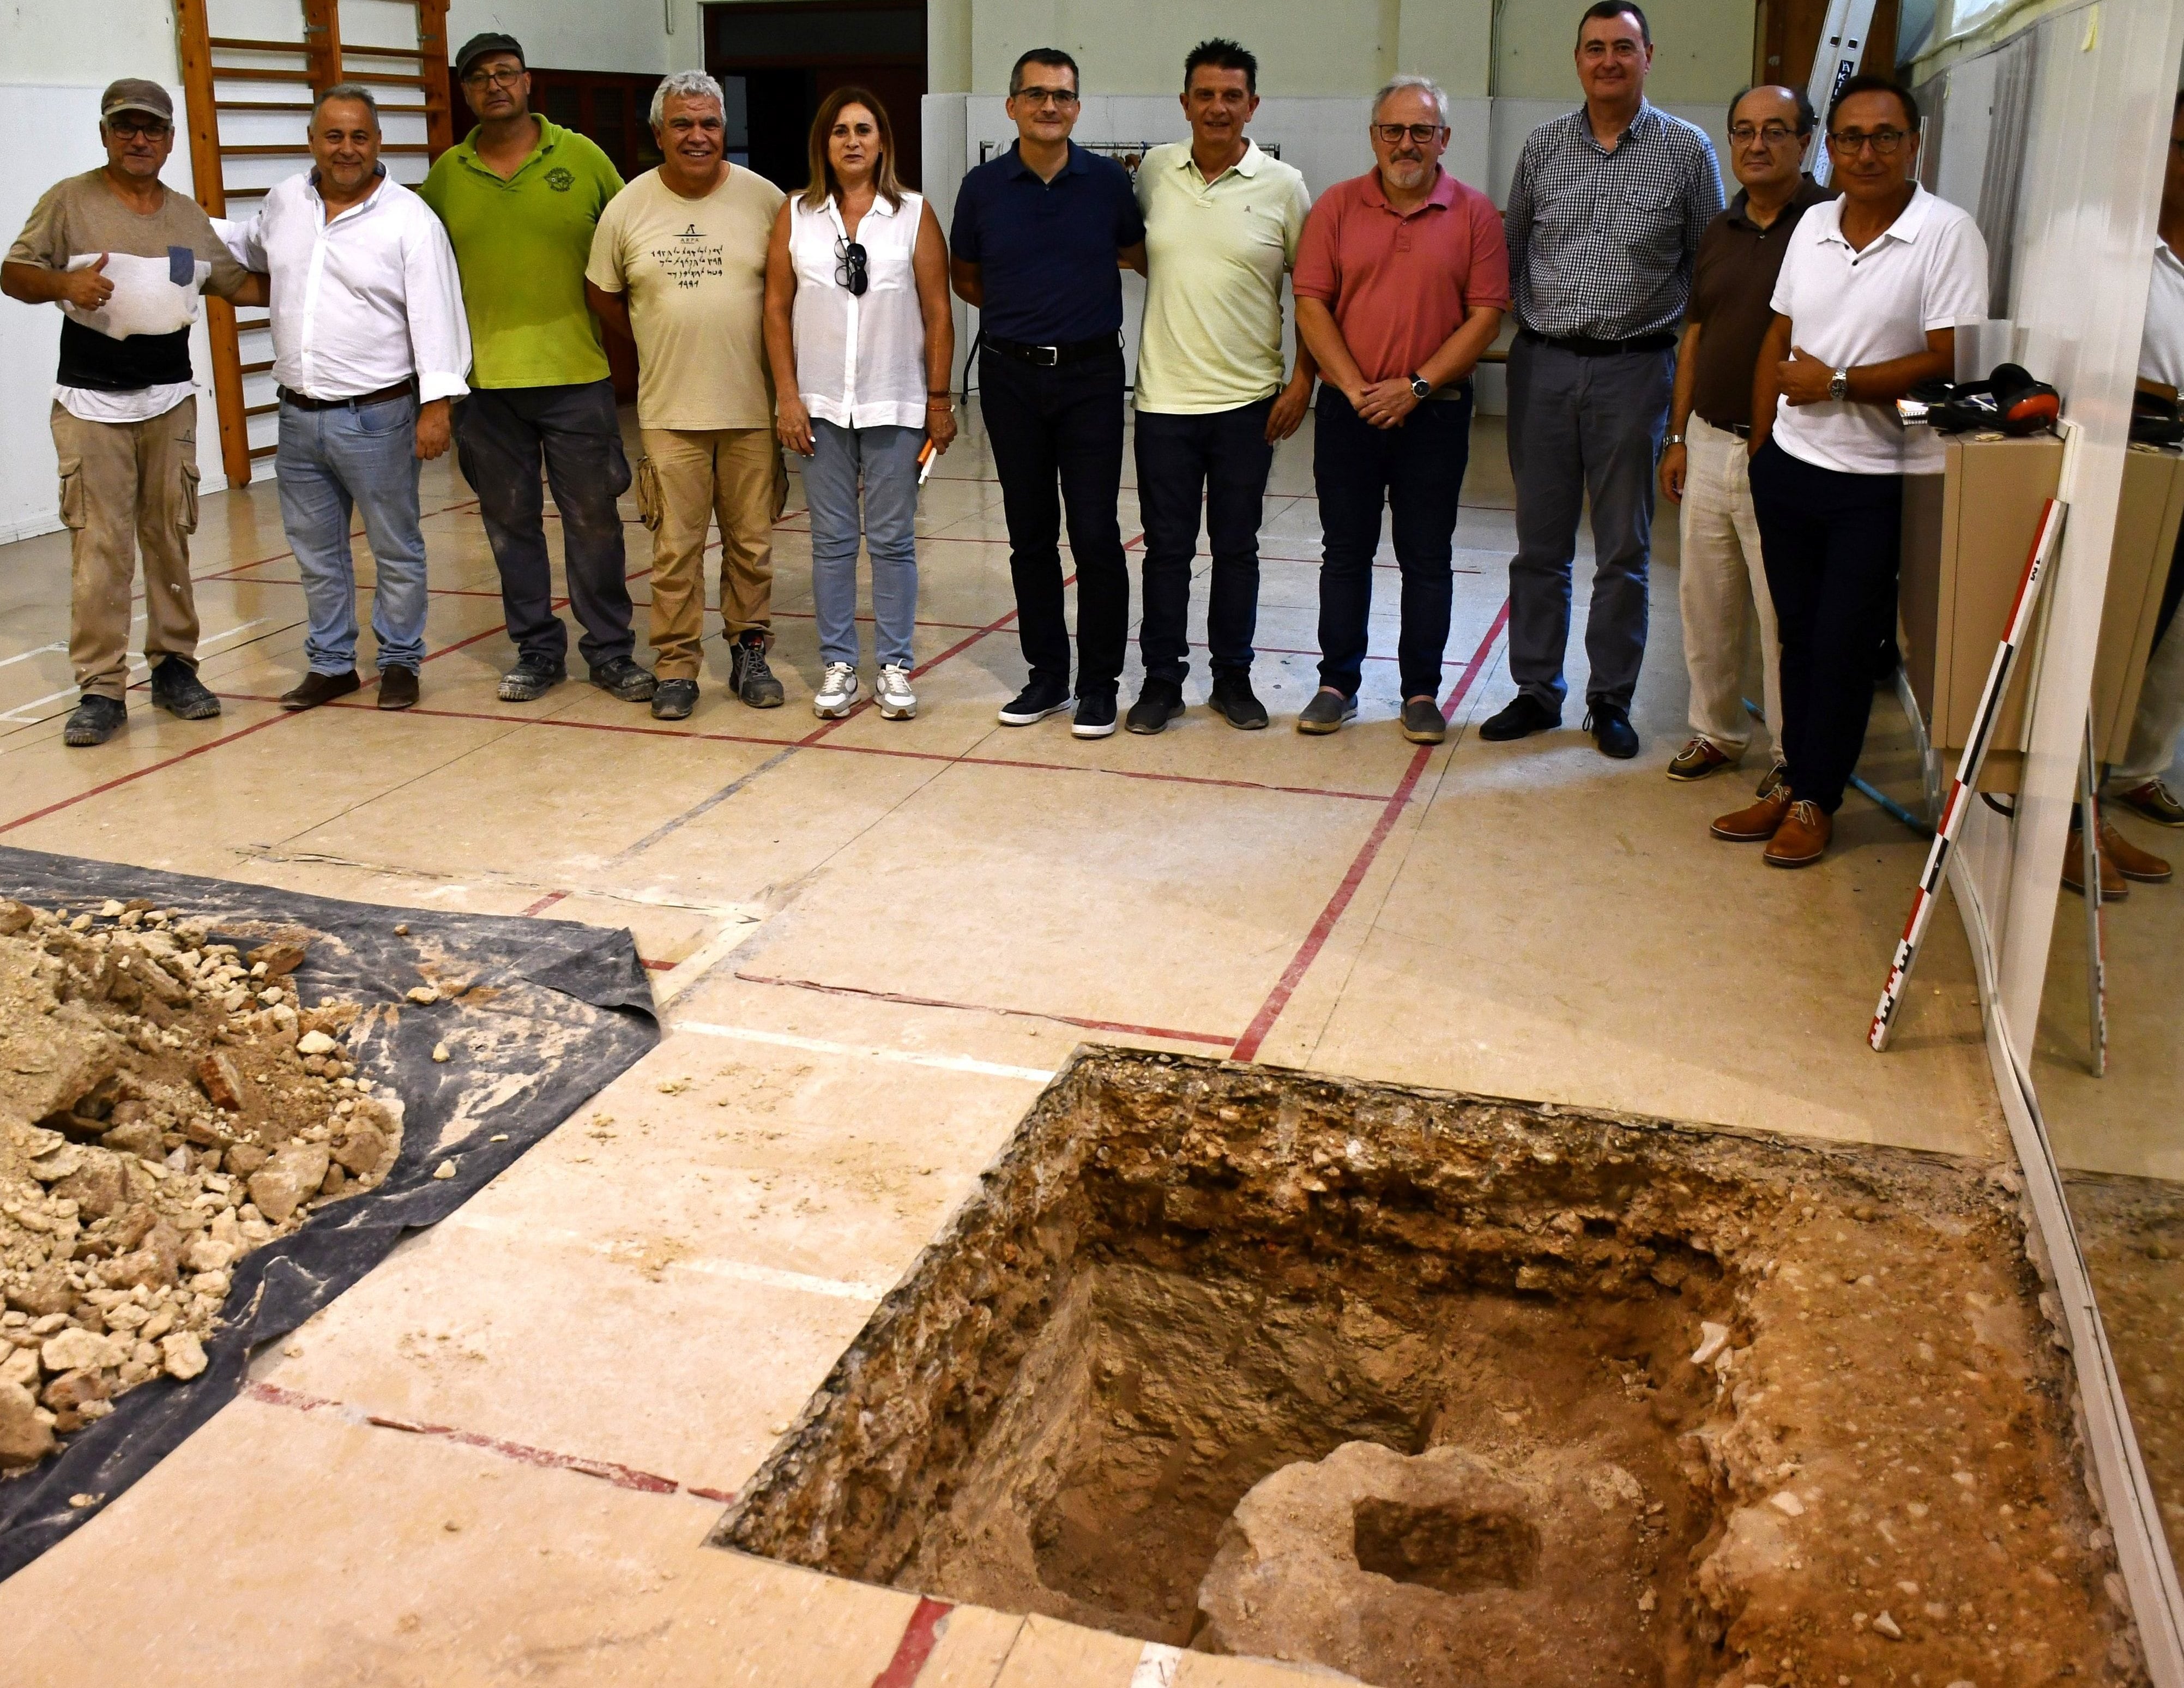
pixel 125 260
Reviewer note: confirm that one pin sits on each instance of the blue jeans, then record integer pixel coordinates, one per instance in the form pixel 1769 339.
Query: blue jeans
pixel 886 459
pixel 1416 473
pixel 331 462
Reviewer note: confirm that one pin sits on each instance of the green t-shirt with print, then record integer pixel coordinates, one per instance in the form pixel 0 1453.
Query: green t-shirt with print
pixel 521 245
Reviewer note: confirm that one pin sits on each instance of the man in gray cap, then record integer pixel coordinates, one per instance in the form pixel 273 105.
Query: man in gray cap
pixel 124 260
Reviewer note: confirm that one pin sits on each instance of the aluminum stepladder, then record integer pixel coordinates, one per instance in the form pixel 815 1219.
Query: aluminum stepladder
pixel 2046 542
pixel 1835 62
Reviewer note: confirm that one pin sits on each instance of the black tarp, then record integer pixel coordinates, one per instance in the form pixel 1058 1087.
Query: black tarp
pixel 539 1015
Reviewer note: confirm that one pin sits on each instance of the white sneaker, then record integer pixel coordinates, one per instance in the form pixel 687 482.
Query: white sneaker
pixel 897 701
pixel 837 692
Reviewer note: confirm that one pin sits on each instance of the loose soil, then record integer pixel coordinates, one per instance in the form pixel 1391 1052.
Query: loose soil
pixel 1429 1388
pixel 2131 1231
pixel 167 1105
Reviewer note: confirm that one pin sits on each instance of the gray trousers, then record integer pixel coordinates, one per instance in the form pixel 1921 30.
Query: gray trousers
pixel 1581 425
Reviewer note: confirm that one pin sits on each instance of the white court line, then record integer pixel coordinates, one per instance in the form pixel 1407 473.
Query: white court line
pixel 24 656
pixel 773 1277
pixel 136 669
pixel 945 1063
pixel 1156 1666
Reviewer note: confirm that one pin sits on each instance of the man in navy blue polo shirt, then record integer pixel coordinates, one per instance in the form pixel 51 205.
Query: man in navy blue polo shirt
pixel 1039 235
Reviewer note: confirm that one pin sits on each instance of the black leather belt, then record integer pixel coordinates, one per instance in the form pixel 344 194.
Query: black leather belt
pixel 1742 430
pixel 1053 357
pixel 1584 346
pixel 303 401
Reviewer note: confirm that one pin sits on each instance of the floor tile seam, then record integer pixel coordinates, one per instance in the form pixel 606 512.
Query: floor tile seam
pixel 1262 1023
pixel 619 1475
pixel 1166 1034
pixel 211 744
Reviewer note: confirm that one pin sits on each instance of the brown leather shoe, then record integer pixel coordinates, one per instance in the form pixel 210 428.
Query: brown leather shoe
pixel 320 688
pixel 2132 862
pixel 1802 837
pixel 397 687
pixel 2114 887
pixel 1758 821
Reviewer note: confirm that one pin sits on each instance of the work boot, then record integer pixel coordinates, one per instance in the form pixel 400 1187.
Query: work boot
pixel 674 699
pixel 749 676
pixel 176 689
pixel 94 721
pixel 1802 837
pixel 624 678
pixel 531 679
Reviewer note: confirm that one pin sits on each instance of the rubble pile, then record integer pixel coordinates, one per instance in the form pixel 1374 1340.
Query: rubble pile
pixel 167 1105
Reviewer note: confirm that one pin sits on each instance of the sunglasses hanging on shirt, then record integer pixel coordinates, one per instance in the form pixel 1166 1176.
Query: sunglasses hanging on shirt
pixel 850 271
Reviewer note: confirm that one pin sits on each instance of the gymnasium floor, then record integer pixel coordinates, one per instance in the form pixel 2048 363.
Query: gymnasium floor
pixel 495 1459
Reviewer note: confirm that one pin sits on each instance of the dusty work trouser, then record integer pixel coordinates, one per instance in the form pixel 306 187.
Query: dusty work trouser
pixel 127 487
pixel 1722 575
pixel 685 481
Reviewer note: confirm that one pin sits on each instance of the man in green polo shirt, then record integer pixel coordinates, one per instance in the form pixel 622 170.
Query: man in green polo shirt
pixel 1222 224
pixel 521 197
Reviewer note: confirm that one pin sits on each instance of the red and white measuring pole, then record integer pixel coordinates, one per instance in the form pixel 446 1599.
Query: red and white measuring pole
pixel 2044 544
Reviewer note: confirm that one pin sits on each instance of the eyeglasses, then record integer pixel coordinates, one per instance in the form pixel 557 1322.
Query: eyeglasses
pixel 1773 134
pixel 1393 133
pixel 148 127
pixel 499 79
pixel 850 272
pixel 1885 142
pixel 1035 98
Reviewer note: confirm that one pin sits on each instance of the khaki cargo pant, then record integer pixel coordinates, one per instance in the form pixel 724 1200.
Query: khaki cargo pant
pixel 686 480
pixel 127 487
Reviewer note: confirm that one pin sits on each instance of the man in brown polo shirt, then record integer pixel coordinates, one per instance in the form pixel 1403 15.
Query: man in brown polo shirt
pixel 1703 468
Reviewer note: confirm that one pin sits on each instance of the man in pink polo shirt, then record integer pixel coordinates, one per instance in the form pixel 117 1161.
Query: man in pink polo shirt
pixel 1401 278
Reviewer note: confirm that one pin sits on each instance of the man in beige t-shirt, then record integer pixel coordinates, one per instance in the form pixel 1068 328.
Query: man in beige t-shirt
pixel 125 258
pixel 679 264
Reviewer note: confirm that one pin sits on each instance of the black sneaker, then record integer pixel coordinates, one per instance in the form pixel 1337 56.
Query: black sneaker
pixel 1157 704
pixel 1423 722
pixel 1096 715
pixel 531 679
pixel 1327 711
pixel 1038 701
pixel 622 679
pixel 176 689
pixel 1523 716
pixel 674 699
pixel 750 678
pixel 94 721
pixel 1234 702
pixel 1609 724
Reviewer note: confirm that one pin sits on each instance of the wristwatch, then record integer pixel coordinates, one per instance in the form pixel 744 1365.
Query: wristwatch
pixel 1420 386
pixel 1673 439
pixel 1839 385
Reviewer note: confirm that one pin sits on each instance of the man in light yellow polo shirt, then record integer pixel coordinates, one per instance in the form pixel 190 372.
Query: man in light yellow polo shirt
pixel 1222 224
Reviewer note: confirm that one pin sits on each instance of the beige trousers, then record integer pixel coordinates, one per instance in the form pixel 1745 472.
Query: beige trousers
pixel 127 487
pixel 1722 575
pixel 686 480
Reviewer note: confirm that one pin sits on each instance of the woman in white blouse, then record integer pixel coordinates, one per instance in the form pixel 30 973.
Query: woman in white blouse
pixel 862 343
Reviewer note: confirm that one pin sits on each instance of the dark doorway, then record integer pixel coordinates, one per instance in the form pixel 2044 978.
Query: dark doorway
pixel 777 59
pixel 1788 39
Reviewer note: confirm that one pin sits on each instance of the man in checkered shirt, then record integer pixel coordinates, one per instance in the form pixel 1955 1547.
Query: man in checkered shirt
pixel 1603 224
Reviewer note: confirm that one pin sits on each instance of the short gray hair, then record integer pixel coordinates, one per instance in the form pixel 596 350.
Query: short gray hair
pixel 1406 84
pixel 689 85
pixel 347 91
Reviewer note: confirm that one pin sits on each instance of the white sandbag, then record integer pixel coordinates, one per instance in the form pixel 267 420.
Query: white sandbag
pixel 146 300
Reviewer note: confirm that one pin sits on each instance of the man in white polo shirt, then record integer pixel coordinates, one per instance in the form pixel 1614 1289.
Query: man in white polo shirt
pixel 1222 225
pixel 1866 306
pixel 369 347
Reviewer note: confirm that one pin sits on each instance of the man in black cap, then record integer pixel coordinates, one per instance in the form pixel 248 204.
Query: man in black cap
pixel 125 260
pixel 521 196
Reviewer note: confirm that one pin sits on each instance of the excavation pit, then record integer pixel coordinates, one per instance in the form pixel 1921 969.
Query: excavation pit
pixel 1428 1388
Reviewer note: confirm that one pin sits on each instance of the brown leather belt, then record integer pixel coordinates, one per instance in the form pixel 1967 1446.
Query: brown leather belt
pixel 303 401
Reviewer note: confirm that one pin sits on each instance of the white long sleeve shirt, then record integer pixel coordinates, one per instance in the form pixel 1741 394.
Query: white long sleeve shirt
pixel 363 301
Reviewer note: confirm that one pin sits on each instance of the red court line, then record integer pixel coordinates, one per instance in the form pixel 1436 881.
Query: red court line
pixel 919 1636
pixel 545 903
pixel 1315 940
pixel 658 966
pixel 1163 1033
pixel 520 1453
